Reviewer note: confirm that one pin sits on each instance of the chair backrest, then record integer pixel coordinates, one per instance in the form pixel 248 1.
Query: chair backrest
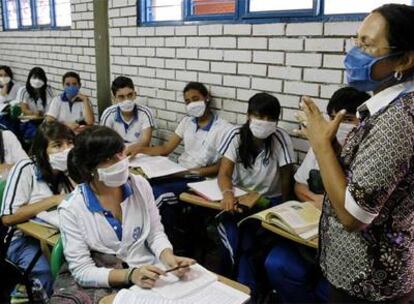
pixel 56 258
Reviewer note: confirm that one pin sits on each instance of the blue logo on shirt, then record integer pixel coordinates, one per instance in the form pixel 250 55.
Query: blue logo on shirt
pixel 136 233
pixel 136 134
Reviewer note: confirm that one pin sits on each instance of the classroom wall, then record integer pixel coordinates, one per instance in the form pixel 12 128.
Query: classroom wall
pixel 234 60
pixel 57 51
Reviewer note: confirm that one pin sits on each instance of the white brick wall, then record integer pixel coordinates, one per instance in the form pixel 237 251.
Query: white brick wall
pixel 234 60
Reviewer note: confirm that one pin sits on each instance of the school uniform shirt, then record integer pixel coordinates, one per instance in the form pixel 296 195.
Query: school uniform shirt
pixel 24 186
pixel 129 130
pixel 309 163
pixel 64 111
pixel 13 151
pixel 264 174
pixel 12 93
pixel 201 144
pixel 86 226
pixel 35 105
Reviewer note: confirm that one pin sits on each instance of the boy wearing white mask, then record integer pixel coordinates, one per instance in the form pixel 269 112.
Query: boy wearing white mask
pixel 71 107
pixel 132 121
pixel 35 97
pixel 308 184
pixel 202 131
pixel 35 185
pixel 8 88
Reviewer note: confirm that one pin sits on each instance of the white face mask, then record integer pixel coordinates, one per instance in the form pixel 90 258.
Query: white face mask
pixel 36 83
pixel 4 80
pixel 262 128
pixel 59 160
pixel 127 105
pixel 115 175
pixel 196 108
pixel 343 131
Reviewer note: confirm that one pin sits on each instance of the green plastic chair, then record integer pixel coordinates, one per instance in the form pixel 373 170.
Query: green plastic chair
pixel 56 258
pixel 2 188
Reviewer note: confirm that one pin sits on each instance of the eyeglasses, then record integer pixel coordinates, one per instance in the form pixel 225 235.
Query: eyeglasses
pixel 371 49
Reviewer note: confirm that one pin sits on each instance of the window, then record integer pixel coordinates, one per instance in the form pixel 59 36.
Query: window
pixel 30 14
pixel 356 6
pixel 167 11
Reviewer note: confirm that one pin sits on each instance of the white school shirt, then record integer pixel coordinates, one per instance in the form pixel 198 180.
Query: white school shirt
pixel 13 151
pixel 201 144
pixel 24 186
pixel 264 175
pixel 61 109
pixel 129 131
pixel 12 94
pixel 24 97
pixel 309 163
pixel 86 226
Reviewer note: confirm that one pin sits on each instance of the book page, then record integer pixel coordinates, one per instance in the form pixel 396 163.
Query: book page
pixel 211 190
pixel 215 293
pixel 155 166
pixel 171 287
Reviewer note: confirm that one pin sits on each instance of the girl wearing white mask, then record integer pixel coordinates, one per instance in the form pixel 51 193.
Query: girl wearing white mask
pixel 35 185
pixel 134 122
pixel 257 156
pixel 8 88
pixel 36 96
pixel 113 213
pixel 201 131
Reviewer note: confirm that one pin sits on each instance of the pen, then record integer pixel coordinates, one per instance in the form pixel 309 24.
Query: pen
pixel 176 268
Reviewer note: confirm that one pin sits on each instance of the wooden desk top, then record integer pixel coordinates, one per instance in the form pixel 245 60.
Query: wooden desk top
pixel 311 243
pixel 42 233
pixel 247 200
pixel 243 288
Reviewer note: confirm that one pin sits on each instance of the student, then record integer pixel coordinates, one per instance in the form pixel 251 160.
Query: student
pixel 132 121
pixel 112 213
pixel 292 268
pixel 308 183
pixel 201 130
pixel 36 185
pixel 257 156
pixel 71 107
pixel 11 152
pixel 8 88
pixel 36 96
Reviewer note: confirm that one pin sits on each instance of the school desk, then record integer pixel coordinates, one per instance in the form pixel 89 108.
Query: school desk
pixel 247 200
pixel 46 236
pixel 311 243
pixel 243 288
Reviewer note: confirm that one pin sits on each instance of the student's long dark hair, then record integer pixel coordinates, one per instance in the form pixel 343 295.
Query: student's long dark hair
pixel 2 156
pixel 47 132
pixel 91 147
pixel 261 105
pixel 9 73
pixel 39 73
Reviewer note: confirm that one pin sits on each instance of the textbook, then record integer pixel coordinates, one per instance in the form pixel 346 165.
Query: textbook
pixel 298 218
pixel 199 286
pixel 210 190
pixel 155 166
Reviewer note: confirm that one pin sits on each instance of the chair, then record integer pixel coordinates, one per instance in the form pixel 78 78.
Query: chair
pixel 56 258
pixel 14 273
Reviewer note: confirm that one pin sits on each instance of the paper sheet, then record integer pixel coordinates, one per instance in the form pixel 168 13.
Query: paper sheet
pixel 211 190
pixel 155 166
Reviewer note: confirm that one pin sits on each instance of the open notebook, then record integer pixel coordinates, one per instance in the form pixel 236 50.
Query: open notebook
pixel 209 189
pixel 200 287
pixel 297 218
pixel 155 166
